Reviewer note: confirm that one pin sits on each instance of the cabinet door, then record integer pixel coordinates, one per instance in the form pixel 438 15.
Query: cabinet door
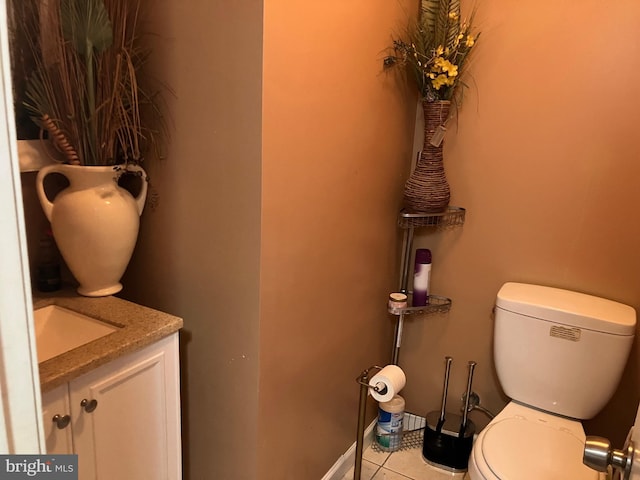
pixel 134 430
pixel 57 430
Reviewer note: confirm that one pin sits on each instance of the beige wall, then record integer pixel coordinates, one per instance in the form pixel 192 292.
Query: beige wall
pixel 337 134
pixel 199 249
pixel 274 236
pixel 546 160
pixel 279 259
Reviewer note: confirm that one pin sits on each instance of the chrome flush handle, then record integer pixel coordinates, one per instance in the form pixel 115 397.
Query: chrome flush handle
pixel 598 454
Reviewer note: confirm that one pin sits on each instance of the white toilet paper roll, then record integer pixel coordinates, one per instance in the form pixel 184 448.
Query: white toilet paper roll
pixel 389 381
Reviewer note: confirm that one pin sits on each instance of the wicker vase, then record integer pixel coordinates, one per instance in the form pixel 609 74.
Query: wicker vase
pixel 427 189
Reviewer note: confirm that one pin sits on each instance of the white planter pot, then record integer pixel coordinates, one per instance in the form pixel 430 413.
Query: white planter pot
pixel 95 224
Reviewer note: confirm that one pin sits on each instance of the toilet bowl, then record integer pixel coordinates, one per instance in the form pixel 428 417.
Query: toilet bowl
pixel 559 356
pixel 522 443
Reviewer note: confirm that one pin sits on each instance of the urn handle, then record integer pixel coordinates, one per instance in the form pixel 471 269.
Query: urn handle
pixel 47 205
pixel 142 195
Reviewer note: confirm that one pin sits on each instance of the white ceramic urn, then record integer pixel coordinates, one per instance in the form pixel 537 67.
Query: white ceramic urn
pixel 95 224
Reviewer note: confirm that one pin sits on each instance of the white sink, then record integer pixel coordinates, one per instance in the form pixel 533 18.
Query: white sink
pixel 59 330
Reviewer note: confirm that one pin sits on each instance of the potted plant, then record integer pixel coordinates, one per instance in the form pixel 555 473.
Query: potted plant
pixel 435 51
pixel 86 94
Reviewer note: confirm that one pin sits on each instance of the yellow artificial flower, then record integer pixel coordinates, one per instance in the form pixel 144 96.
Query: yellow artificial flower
pixel 439 50
pixel 446 66
pixel 470 41
pixel 453 16
pixel 439 81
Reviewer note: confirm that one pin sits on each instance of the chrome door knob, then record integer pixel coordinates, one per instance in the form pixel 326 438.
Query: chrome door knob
pixel 598 454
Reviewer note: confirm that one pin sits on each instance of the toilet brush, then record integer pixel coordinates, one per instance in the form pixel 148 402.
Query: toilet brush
pixel 445 389
pixel 448 438
pixel 467 396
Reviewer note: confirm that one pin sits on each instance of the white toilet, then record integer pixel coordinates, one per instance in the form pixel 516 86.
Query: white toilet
pixel 559 356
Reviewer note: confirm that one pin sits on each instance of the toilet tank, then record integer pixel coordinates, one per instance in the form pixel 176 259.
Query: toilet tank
pixel 558 350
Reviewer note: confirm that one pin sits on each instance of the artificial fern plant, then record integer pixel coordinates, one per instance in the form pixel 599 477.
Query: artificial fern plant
pixel 85 89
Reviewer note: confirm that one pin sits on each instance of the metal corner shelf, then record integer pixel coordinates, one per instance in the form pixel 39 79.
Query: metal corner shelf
pixel 452 217
pixel 437 304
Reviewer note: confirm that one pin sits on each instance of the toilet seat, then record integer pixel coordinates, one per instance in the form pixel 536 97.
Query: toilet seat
pixel 525 444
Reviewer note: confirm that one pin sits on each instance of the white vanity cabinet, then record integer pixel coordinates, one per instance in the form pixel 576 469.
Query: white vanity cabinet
pixel 56 415
pixel 124 417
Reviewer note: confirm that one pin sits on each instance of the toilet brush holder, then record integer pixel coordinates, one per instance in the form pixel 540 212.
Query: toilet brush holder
pixel 448 438
pixel 444 446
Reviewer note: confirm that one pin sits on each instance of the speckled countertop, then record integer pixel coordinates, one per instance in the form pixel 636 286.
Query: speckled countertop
pixel 139 326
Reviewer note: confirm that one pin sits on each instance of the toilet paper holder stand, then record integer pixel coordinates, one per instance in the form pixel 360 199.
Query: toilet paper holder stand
pixel 363 381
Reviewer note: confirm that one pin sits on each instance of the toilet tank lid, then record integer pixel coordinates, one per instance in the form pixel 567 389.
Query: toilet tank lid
pixel 568 308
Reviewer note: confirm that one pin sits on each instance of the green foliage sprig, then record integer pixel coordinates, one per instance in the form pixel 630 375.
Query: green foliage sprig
pixel 436 49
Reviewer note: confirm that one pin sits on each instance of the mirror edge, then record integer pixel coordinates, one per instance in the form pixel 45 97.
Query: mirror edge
pixel 33 155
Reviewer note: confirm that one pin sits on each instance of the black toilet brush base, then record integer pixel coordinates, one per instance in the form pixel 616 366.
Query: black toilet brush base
pixel 443 446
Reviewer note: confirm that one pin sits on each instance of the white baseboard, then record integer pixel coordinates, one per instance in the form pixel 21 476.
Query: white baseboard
pixel 346 461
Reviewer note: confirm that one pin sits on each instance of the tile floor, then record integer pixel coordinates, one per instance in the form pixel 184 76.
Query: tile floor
pixel 407 464
pixel 401 465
